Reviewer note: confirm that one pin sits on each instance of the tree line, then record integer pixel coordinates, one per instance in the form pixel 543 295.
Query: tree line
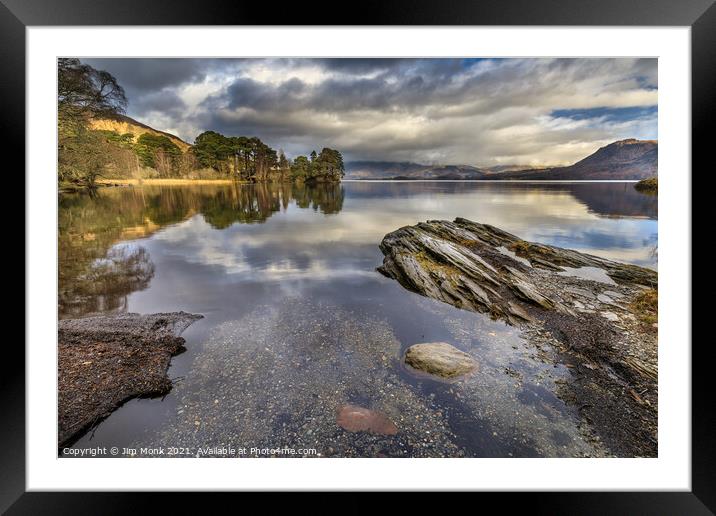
pixel 252 160
pixel 85 155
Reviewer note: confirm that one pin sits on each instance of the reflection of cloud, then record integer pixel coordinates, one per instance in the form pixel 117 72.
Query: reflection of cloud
pixel 638 256
pixel 265 256
pixel 298 244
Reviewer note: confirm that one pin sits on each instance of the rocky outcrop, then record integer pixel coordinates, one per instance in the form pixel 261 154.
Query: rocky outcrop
pixel 439 359
pixel 104 361
pixel 484 269
pixel 123 124
pixel 583 306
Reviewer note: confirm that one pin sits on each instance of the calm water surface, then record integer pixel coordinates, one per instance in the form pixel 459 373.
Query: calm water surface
pixel 298 322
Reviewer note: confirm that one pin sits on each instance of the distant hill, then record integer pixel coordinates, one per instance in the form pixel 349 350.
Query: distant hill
pixel 625 159
pixel 407 170
pixel 123 124
pixel 509 168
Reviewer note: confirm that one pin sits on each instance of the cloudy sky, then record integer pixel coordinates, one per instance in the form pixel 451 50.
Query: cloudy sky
pixel 447 111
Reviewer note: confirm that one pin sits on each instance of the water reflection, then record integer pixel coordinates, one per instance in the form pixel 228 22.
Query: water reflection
pixel 609 219
pixel 104 285
pixel 232 229
pixel 285 277
pixel 607 199
pixel 93 276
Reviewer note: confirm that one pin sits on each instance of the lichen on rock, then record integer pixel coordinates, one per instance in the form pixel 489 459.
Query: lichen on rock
pixel 463 263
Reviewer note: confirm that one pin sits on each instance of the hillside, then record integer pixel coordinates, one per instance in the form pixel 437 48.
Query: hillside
pixel 624 159
pixel 407 170
pixel 123 124
pixel 628 159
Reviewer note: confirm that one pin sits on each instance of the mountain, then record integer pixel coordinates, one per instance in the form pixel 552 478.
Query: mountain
pixel 625 159
pixel 510 168
pixel 123 124
pixel 407 170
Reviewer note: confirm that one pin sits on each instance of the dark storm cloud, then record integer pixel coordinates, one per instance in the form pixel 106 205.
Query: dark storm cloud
pixel 396 84
pixel 477 111
pixel 147 75
pixel 165 101
pixel 246 92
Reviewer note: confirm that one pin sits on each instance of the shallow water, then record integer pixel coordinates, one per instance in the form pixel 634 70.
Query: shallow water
pixel 298 322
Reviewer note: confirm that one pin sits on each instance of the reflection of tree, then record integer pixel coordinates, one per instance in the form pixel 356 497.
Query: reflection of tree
pixel 257 202
pixel 106 282
pixel 165 206
pixel 242 203
pixel 326 197
pixel 94 275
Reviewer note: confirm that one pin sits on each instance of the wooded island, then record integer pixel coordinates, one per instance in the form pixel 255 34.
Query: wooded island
pixel 91 105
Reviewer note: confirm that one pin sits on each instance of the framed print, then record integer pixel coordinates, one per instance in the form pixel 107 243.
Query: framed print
pixel 429 250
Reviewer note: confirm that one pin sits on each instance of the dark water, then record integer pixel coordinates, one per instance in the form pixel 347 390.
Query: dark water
pixel 297 321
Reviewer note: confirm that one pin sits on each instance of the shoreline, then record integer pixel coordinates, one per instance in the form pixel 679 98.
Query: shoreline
pixel 388 180
pixel 186 181
pixel 107 360
pixel 169 181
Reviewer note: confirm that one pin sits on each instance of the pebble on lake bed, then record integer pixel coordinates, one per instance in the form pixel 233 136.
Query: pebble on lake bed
pixel 360 419
pixel 440 359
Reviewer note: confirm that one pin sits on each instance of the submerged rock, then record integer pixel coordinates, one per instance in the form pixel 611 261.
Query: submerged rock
pixel 104 361
pixel 360 419
pixel 440 359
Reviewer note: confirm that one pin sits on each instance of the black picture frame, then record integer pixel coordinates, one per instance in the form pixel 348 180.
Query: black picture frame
pixel 700 15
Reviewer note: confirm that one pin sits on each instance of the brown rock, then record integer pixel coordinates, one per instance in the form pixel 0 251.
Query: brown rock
pixel 360 419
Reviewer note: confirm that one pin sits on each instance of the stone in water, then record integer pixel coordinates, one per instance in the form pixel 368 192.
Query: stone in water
pixel 440 359
pixel 360 419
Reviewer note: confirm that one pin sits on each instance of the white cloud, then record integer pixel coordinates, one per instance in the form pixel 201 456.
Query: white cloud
pixel 435 110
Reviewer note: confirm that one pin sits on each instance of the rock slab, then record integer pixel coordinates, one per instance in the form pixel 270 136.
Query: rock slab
pixel 461 263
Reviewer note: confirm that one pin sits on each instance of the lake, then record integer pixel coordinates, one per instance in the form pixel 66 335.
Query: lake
pixel 298 323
